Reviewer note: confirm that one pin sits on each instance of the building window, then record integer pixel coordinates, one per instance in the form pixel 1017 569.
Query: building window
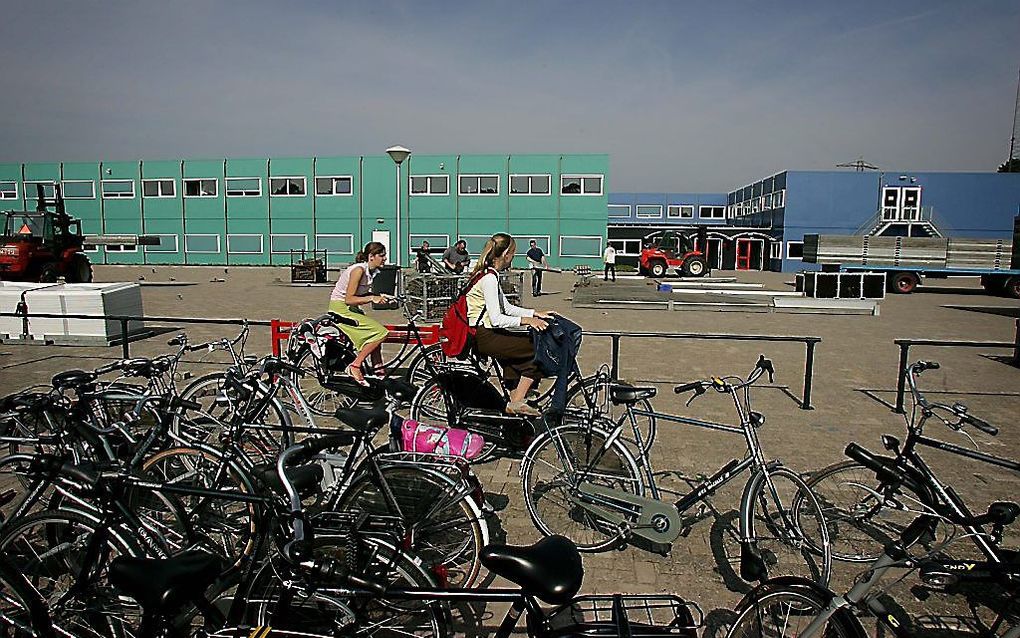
pixel 776 250
pixel 430 184
pixel 287 243
pixel 287 186
pixel 167 244
pixel 767 205
pixel 478 184
pixel 78 189
pixel 524 243
pixel 778 199
pixel 118 189
pixel 8 190
pixel 31 192
pixel 435 241
pixel 673 212
pixel 474 243
pixel 648 211
pixel 201 243
pixel 619 210
pixel 580 246
pixel 333 185
pixel 243 187
pixel 626 247
pixel 581 184
pixel 529 184
pixel 794 250
pixel 335 244
pixel 712 212
pixel 238 244
pixel 121 248
pixel 158 188
pixel 205 187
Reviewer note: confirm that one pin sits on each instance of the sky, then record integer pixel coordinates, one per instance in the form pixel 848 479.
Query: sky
pixel 683 96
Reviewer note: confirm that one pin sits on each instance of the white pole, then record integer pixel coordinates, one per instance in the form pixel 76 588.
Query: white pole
pixel 400 251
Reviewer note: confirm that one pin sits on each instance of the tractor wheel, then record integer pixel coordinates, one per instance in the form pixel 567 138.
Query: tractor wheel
pixel 903 283
pixel 1012 287
pixel 79 269
pixel 658 269
pixel 695 267
pixel 48 273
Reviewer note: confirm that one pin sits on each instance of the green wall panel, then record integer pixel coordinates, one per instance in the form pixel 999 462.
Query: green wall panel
pixel 204 217
pixel 163 215
pixel 89 211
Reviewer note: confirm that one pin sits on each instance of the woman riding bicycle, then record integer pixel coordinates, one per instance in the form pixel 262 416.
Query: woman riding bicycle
pixel 493 316
pixel 354 290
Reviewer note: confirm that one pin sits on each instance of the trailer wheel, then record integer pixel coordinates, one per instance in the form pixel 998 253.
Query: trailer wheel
pixel 1012 287
pixel 992 285
pixel 658 268
pixel 903 283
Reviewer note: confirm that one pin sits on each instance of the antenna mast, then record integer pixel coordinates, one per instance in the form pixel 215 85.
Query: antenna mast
pixel 858 165
pixel 1012 136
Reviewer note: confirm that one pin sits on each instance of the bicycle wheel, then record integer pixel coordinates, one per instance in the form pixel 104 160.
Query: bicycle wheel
pixel 771 611
pixel 229 525
pixel 418 372
pixel 321 400
pixel 442 525
pixel 318 611
pixel 789 528
pixel 22 611
pixel 860 526
pixel 555 466
pixel 597 388
pixel 433 404
pixel 65 560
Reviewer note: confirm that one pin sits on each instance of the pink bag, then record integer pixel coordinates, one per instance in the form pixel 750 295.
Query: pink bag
pixel 437 439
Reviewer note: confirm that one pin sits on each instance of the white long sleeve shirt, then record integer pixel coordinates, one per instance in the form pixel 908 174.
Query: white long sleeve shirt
pixel 487 295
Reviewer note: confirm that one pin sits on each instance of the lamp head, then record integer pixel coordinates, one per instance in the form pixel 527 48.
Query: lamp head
pixel 398 154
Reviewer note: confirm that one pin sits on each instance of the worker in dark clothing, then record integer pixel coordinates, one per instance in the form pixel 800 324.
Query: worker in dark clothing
pixel 537 262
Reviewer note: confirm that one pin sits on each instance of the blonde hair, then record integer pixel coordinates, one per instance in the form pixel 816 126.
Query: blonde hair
pixel 497 246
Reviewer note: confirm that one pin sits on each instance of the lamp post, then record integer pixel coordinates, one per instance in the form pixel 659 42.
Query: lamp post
pixel 398 154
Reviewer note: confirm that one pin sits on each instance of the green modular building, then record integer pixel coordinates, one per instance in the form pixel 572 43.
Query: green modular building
pixel 255 211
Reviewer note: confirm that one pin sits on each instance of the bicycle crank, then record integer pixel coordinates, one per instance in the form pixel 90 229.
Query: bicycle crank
pixel 648 518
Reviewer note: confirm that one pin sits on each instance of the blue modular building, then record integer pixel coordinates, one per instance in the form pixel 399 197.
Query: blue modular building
pixel 763 224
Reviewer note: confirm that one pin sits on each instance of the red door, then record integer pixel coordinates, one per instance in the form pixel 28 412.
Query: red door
pixel 743 254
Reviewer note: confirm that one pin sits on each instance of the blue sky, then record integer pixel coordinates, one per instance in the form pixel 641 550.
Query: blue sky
pixel 684 96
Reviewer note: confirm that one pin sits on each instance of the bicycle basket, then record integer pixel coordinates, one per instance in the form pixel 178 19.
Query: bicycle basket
pixel 638 616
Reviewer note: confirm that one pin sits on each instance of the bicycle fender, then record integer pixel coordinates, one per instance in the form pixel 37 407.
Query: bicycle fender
pixel 842 617
pixel 471 391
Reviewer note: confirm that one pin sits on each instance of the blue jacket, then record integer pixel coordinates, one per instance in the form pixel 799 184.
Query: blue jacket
pixel 556 351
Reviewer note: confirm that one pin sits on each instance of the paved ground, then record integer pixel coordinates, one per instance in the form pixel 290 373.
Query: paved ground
pixel 854 383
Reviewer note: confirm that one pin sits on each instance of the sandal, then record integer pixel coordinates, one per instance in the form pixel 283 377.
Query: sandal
pixel 520 408
pixel 357 375
pixel 379 370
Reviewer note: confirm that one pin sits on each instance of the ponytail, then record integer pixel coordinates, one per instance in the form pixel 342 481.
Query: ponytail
pixel 371 248
pixel 495 247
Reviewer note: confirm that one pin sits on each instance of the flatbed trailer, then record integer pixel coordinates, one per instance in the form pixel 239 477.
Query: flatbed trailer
pixel 903 279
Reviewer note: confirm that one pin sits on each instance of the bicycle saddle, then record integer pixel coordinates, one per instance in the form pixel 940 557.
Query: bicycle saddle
pixel 364 419
pixel 72 379
pixel 629 394
pixel 549 569
pixel 306 478
pixel 165 583
pixel 400 390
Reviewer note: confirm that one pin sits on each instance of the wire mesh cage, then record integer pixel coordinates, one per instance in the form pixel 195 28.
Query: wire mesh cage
pixel 430 295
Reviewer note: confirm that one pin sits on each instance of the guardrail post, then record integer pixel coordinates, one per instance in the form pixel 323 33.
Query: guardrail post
pixel 614 371
pixel 1016 345
pixel 125 348
pixel 901 380
pixel 809 373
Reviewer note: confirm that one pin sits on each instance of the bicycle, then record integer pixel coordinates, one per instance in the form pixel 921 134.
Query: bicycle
pixel 860 506
pixel 585 483
pixel 801 608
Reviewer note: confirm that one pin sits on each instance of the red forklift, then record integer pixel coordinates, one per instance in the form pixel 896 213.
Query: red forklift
pixel 673 250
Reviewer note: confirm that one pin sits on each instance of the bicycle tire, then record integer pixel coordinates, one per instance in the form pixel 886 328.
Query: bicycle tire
pixel 448 528
pixel 788 527
pixel 232 531
pixel 646 424
pixel 418 371
pixel 48 548
pixel 549 485
pixel 22 610
pixel 321 400
pixel 859 525
pixel 777 611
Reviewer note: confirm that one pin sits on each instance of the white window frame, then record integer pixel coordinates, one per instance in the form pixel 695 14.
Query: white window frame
pixel 779 198
pixel 466 237
pixel 30 192
pixel 582 177
pixel 90 248
pixel 148 249
pixel 106 195
pixel 159 189
pixel 332 184
pixel 525 242
pixel 673 211
pixel 690 211
pixel 287 252
pixel 184 189
pixel 202 252
pixel 6 194
pixel 775 247
pixel 428 190
pixel 411 243
pixel 598 237
pixel 478 177
pixel 336 235
pixel 612 206
pixel 243 193
pixel 531 192
pixel 91 183
pixel 791 243
pixel 702 215
pixel 120 248
pixel 260 251
pixel 301 178
pixel 657 215
pixel 621 247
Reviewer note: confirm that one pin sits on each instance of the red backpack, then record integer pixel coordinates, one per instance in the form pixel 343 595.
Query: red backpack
pixel 455 329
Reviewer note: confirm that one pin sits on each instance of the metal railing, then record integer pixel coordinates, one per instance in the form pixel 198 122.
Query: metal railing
pixel 905 344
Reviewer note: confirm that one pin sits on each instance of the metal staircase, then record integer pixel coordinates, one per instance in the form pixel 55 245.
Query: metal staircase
pixel 927 224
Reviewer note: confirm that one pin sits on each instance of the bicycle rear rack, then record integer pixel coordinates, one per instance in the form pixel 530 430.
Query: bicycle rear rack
pixel 638 616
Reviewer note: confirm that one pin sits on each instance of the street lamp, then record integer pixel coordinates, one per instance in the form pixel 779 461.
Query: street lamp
pixel 398 154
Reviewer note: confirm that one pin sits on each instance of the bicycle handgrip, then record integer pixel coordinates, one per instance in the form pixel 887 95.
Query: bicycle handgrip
pixel 186 404
pixel 310 447
pixel 921 366
pixel 883 471
pixel 980 424
pixel 687 387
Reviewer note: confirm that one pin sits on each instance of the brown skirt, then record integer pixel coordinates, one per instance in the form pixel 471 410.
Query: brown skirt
pixel 513 351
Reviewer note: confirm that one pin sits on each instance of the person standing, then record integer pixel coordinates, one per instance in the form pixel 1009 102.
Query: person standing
pixel 422 259
pixel 354 290
pixel 456 257
pixel 609 257
pixel 537 262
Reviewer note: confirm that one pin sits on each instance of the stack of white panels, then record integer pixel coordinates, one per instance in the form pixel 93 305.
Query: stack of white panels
pixel 71 299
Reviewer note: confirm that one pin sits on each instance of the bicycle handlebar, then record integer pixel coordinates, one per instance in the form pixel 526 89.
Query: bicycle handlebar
pixel 958 410
pixel 883 471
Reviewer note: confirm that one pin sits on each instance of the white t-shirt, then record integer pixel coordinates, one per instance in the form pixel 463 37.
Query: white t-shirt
pixel 487 295
pixel 609 255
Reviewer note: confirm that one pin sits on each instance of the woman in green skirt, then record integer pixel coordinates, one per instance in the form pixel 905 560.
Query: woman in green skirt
pixel 354 290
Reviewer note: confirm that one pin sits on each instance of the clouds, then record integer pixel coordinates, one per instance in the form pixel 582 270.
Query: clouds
pixel 681 96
